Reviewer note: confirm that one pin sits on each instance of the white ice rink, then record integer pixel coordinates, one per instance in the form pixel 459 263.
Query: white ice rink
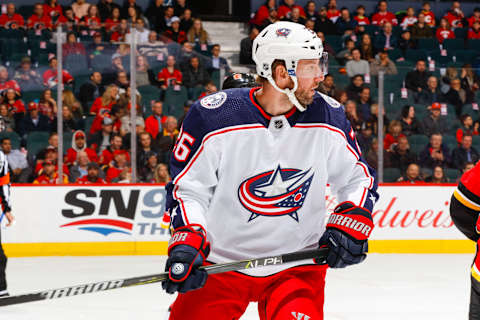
pixel 387 286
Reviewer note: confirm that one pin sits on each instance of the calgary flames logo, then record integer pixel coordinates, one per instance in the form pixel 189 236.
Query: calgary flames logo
pixel 275 193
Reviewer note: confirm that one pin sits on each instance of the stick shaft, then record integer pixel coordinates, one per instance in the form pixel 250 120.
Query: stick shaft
pixel 136 281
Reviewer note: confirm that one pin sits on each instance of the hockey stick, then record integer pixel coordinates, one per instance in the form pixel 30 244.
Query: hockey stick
pixel 129 282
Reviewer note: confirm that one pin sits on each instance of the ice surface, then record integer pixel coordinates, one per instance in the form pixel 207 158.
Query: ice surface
pixel 385 286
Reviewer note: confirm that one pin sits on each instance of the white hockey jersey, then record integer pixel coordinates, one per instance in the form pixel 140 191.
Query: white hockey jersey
pixel 256 182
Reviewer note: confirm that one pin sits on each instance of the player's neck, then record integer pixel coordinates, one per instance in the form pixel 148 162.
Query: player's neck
pixel 273 101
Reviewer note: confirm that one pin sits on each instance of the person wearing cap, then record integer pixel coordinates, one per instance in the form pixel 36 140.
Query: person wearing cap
pixel 50 175
pixel 174 33
pixel 79 145
pixel 50 75
pixel 92 176
pixel 435 122
pixel 118 165
pixel 26 77
pixel 11 19
pixel 34 121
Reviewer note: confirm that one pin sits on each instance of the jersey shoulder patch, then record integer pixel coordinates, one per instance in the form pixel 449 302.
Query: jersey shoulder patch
pixel 331 102
pixel 214 101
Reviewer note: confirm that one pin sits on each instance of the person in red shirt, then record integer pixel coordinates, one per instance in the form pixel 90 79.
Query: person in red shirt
pixel 474 31
pixel 174 33
pixel 11 19
pixel 409 20
pixel 13 102
pixel 68 20
pixel 50 75
pixel 38 20
pixel 79 144
pixel 455 16
pixel 444 31
pixel 112 22
pixel 92 20
pixel 169 76
pixel 394 132
pixel 263 13
pixel 52 9
pixel 72 46
pixel 116 142
pixel 154 124
pixel 360 16
pixel 412 175
pixel 120 32
pixel 428 14
pixel 285 9
pixel 5 83
pixel 118 165
pixel 332 12
pixel 106 101
pixel 383 15
pixel 50 175
pixel 92 175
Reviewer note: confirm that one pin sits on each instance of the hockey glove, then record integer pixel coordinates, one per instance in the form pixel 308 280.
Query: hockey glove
pixel 187 250
pixel 346 235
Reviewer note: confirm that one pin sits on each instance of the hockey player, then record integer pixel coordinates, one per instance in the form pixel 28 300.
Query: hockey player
pixel 6 212
pixel 250 169
pixel 464 210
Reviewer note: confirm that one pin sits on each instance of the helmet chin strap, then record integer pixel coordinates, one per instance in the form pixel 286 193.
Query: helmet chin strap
pixel 289 92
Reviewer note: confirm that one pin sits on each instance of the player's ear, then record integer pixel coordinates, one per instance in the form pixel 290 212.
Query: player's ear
pixel 280 74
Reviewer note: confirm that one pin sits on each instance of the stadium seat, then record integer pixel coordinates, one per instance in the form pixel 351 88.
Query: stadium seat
pixel 195 92
pixel 216 78
pixel 461 33
pixel 67 140
pixel 428 44
pixel 334 41
pixel 450 141
pixel 453 44
pixel 476 142
pixel 76 64
pixel 174 101
pixel 452 174
pixel 395 54
pixel 426 172
pixel 25 11
pixel 474 45
pixel 88 123
pixel 415 55
pixel 468 109
pixel 465 56
pixel 36 141
pixel 371 29
pixel 13 49
pixel 391 174
pixel 13 136
pixel 417 142
pixel 29 96
pixel 101 61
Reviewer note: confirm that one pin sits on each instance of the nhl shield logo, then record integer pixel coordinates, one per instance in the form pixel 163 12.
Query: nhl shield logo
pixel 283 32
pixel 214 101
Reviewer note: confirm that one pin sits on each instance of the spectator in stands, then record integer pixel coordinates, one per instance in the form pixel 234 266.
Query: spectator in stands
pixel 186 22
pixel 263 12
pixel 120 32
pixel 169 76
pixel 13 102
pixel 364 103
pixel 372 155
pixel 50 75
pixel 47 106
pixel 357 65
pixel 385 40
pixel 324 24
pixel 161 174
pixel 393 133
pixel 80 8
pixel 360 17
pixel 52 9
pixel 92 176
pixel 91 90
pixel 154 49
pixel 455 16
pixel 130 4
pixel 345 22
pixel 355 87
pixel 383 16
pixel 438 176
pixel 5 83
pixel 106 155
pixel 412 174
pixel 435 122
pixel 383 63
pixel 246 47
pixel 70 101
pixel 216 62
pixel 444 31
pixel 294 16
pixel 154 123
pixel 17 162
pixel 311 11
pixel 421 29
pixel 7 122
pixel 272 18
pixel 197 34
pixel 147 169
pixel 210 88
pixel 409 20
pixel 285 10
pixel 38 20
pixel 451 74
pixel 70 124
pixel 72 46
pixel 429 15
pixel 124 101
pixel 467 127
pixel 372 122
pixel 97 47
pixel 327 86
pixel 326 46
pixel 400 156
pixel 174 33
pixel 351 112
pixel 366 47
pixel 431 94
pixel 142 32
pixel 144 74
pixel 467 167
pixel 145 148
pixel 92 20
pixel 166 140
pixel 50 175
pixel 410 124
pixel 79 167
pixel 113 20
pixel 79 144
pixel 110 73
pixel 179 7
pixel 474 31
pixel 435 153
pixel 164 22
pixel 475 17
pixel 11 19
pixel 346 54
pixel 470 81
pixel 195 75
pixel 405 42
pixel 457 96
pixel 106 8
pixel 416 80
pixel 100 140
pixel 106 101
pixel 34 121
pixel 117 166
pixel 332 12
pixel 155 12
pixel 464 153
pixel 310 25
pixel 27 78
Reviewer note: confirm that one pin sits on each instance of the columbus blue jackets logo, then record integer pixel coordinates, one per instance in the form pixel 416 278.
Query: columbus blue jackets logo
pixel 275 193
pixel 283 32
pixel 214 101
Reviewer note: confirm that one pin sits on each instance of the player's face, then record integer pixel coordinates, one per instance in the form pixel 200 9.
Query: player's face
pixel 309 76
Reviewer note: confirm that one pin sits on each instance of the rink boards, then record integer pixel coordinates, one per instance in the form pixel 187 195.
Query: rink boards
pixel 127 220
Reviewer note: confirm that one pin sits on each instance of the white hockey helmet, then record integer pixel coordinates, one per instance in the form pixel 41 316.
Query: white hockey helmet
pixel 290 42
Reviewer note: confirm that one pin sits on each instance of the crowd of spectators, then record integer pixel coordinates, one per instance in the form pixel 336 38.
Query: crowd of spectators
pixel 176 63
pixel 431 90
